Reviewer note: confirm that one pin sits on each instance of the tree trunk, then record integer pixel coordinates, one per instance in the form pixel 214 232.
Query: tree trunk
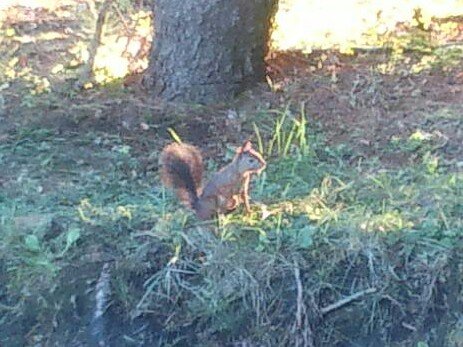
pixel 207 51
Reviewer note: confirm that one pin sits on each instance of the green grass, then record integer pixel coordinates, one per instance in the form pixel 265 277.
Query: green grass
pixel 324 225
pixel 79 202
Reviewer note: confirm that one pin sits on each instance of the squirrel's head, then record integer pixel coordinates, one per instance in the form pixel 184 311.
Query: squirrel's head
pixel 248 159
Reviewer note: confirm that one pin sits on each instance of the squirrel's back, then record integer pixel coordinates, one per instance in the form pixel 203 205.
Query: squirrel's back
pixel 182 169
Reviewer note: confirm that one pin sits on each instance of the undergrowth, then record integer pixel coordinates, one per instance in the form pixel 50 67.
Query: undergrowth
pixel 332 253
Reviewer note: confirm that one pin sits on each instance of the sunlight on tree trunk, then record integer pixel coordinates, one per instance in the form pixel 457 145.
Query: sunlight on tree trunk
pixel 208 50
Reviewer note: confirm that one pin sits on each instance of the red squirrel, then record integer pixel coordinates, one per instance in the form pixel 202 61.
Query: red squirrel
pixel 182 169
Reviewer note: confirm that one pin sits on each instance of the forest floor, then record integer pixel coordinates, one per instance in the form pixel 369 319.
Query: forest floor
pixel 356 233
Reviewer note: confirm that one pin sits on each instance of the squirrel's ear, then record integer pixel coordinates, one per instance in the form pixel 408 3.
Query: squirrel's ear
pixel 246 147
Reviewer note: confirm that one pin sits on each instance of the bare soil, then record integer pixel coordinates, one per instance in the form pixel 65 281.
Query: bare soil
pixel 352 104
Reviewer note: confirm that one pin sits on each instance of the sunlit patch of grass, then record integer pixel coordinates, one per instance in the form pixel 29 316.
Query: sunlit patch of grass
pixel 13 71
pixel 419 137
pixel 448 57
pixel 122 54
pixel 303 24
pixel 322 204
pixel 426 48
pixel 123 50
pixel 419 142
pixel 90 213
pixel 43 36
pixel 386 222
pixel 119 53
pixel 79 54
pixel 410 32
pixel 49 4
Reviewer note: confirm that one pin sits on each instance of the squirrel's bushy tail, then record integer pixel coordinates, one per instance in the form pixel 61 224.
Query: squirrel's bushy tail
pixel 182 169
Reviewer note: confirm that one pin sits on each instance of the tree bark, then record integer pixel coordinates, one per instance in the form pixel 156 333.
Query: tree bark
pixel 207 51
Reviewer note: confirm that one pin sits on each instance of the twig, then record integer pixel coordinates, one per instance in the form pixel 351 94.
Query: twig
pixel 301 328
pixel 300 303
pixel 346 300
pixel 123 21
pixel 96 41
pixel 102 292
pixel 409 326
